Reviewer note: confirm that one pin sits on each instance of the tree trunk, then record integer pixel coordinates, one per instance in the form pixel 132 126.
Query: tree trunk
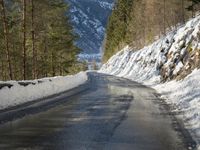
pixel 164 17
pixel 24 39
pixel 192 9
pixel 183 11
pixel 2 70
pixel 45 57
pixel 52 64
pixel 5 26
pixel 33 41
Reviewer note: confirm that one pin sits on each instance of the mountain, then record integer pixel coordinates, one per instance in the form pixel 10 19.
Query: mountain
pixel 89 18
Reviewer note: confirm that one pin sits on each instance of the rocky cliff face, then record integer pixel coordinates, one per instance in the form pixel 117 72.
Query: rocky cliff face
pixel 89 18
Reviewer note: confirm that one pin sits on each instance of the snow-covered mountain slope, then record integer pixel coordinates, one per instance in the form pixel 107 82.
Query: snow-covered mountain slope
pixel 175 56
pixel 13 93
pixel 90 57
pixel 89 18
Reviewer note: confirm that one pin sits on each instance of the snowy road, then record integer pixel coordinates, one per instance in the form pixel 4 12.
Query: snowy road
pixel 114 113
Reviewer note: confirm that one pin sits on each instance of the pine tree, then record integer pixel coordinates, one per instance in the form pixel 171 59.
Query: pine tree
pixel 40 39
pixel 192 6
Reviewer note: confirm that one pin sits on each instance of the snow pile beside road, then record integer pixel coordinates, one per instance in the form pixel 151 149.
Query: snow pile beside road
pixel 184 96
pixel 172 57
pixel 13 93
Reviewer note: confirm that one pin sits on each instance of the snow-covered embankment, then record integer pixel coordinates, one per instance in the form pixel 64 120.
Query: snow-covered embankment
pixel 170 66
pixel 13 93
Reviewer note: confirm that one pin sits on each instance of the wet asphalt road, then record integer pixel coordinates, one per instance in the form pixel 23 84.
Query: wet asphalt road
pixel 113 114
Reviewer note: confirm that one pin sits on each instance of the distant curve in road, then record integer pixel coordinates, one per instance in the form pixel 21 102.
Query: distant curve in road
pixel 113 114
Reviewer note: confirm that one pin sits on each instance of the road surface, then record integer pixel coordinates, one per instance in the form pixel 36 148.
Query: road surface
pixel 113 114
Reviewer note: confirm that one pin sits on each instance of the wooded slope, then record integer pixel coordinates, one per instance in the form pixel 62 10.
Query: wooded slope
pixel 140 22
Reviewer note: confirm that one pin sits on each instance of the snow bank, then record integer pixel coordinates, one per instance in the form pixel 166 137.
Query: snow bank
pixel 185 97
pixel 164 60
pixel 17 92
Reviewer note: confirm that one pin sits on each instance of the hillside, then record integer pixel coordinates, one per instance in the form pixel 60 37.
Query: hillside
pixel 89 23
pixel 170 65
pixel 140 22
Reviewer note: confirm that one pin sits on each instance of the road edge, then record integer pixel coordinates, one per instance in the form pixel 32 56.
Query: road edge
pixel 39 105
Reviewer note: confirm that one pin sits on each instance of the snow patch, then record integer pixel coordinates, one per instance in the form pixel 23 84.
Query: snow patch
pixel 18 92
pixel 185 97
